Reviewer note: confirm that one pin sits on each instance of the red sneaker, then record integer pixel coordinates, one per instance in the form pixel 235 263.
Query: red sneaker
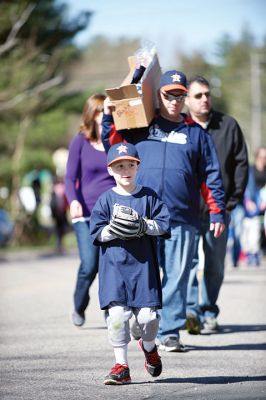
pixel 119 375
pixel 153 363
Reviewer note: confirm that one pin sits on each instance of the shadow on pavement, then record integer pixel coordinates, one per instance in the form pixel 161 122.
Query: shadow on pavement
pixel 224 329
pixel 214 380
pixel 242 346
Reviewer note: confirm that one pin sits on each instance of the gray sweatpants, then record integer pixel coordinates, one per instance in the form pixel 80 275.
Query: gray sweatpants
pixel 118 323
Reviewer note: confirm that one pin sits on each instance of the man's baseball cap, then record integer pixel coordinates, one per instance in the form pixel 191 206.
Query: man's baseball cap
pixel 122 151
pixel 173 80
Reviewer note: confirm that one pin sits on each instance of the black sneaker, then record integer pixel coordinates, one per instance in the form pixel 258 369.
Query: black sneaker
pixel 193 325
pixel 135 330
pixel 153 363
pixel 172 343
pixel 119 375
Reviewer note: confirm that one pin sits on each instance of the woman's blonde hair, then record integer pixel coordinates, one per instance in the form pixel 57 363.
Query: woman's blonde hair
pixel 93 105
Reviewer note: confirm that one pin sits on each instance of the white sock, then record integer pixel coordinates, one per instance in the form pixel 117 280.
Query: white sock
pixel 149 346
pixel 121 355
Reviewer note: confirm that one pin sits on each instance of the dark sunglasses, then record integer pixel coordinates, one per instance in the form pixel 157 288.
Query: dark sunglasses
pixel 170 97
pixel 199 95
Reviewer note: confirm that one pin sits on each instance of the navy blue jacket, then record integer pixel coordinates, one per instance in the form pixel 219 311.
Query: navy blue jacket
pixel 178 160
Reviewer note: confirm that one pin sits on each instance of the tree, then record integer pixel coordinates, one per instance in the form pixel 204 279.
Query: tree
pixel 236 80
pixel 103 64
pixel 36 51
pixel 232 81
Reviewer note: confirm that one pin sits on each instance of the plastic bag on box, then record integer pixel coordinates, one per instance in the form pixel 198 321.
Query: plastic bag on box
pixel 143 57
pixel 145 54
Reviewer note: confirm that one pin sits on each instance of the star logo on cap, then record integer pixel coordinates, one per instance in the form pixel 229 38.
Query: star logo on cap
pixel 176 77
pixel 122 149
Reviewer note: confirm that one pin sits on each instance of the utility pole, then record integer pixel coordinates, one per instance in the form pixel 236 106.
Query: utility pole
pixel 255 102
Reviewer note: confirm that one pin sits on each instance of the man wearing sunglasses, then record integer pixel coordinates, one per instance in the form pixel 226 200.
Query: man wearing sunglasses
pixel 232 155
pixel 177 159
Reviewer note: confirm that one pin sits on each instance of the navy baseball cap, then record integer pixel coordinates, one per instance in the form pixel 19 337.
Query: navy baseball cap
pixel 122 151
pixel 172 80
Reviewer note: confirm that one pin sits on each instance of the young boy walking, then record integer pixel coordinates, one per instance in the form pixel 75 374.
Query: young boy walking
pixel 125 222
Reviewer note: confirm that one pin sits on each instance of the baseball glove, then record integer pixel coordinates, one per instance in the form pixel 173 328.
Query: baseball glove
pixel 126 223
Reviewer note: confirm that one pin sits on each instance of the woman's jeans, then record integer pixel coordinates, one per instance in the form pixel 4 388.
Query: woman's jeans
pixel 89 258
pixel 175 255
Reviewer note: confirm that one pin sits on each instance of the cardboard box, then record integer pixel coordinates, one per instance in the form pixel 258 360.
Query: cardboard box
pixel 131 109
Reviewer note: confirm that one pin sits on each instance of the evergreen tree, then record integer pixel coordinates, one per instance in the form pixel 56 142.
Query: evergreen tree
pixel 36 50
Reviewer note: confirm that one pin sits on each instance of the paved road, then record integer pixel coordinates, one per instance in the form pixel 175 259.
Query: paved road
pixel 44 357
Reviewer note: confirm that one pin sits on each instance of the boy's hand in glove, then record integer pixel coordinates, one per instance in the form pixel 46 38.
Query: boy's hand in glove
pixel 126 223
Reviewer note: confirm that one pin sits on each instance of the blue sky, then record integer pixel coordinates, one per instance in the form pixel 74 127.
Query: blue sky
pixel 173 25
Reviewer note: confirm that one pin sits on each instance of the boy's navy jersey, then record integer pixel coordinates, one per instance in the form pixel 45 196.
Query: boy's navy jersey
pixel 128 269
pixel 178 160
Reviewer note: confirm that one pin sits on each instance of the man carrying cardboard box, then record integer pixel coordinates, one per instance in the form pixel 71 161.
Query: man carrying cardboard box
pixel 178 159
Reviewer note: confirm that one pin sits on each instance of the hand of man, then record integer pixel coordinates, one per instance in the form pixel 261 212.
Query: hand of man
pixel 108 106
pixel 218 228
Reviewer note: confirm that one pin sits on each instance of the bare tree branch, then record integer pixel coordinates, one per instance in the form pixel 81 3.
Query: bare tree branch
pixel 11 40
pixel 31 93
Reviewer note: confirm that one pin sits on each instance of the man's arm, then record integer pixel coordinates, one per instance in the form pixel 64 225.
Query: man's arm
pixel 110 135
pixel 212 187
pixel 241 167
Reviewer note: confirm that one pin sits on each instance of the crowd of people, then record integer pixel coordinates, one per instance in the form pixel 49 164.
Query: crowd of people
pixel 141 200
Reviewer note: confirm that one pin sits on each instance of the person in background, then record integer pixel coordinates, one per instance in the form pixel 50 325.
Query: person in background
pixel 86 178
pixel 233 159
pixel 261 169
pixel 129 276
pixel 6 227
pixel 264 223
pixel 177 159
pixel 36 186
pixel 59 208
pixel 234 234
pixel 255 206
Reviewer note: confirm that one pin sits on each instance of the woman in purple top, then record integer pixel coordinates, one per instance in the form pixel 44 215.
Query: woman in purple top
pixel 86 178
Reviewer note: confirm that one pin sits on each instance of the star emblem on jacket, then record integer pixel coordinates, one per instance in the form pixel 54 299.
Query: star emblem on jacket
pixel 176 77
pixel 122 149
